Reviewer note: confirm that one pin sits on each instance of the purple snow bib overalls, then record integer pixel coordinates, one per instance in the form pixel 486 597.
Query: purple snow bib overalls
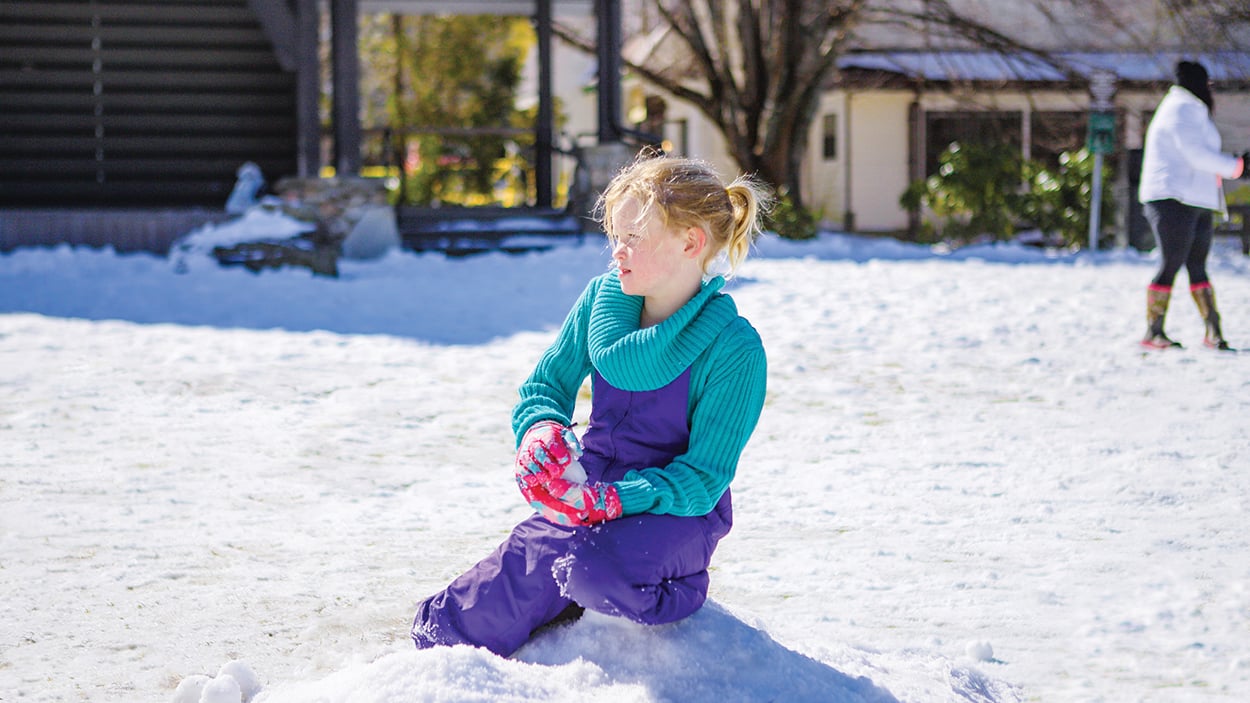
pixel 648 568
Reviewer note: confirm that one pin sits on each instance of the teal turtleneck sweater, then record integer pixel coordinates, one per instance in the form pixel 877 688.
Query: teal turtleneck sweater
pixel 727 384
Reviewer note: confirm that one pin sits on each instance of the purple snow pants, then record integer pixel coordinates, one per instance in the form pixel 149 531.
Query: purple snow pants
pixel 648 568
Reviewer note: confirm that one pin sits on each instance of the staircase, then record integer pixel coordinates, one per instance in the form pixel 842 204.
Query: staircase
pixel 137 103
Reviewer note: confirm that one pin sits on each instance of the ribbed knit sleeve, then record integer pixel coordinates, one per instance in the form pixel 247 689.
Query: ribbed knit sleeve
pixel 728 388
pixel 550 391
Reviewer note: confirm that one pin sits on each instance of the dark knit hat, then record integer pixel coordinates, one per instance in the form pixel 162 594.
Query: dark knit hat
pixel 1192 76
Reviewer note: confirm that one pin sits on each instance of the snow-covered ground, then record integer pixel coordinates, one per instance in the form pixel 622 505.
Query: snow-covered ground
pixel 968 484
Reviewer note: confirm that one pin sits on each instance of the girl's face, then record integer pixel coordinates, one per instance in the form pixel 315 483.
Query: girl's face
pixel 652 259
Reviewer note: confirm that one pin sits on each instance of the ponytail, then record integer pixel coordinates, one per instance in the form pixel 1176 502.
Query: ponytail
pixel 750 200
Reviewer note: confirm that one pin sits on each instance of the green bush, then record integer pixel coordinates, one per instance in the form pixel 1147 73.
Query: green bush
pixel 789 220
pixel 975 191
pixel 988 190
pixel 1058 202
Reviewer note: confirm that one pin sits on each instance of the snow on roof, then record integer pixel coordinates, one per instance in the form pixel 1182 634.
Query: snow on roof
pixel 954 65
pixel 993 66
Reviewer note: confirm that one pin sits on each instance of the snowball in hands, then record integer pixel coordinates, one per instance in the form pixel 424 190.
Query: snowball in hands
pixel 575 472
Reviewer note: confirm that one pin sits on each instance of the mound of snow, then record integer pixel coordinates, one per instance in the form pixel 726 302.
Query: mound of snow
pixel 710 656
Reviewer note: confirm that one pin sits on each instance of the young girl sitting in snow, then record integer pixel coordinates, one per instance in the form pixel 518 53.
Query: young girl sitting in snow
pixel 677 381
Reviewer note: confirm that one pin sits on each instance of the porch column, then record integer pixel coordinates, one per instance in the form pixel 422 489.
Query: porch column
pixel 608 15
pixel 346 105
pixel 307 90
pixel 546 114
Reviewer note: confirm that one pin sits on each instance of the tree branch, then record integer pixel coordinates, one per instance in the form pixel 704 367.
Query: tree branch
pixel 941 13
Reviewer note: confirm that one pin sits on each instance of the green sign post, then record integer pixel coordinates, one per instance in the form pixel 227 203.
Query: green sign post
pixel 1101 136
pixel 1100 140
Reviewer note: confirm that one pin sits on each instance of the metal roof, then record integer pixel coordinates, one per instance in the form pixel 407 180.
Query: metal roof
pixel 991 66
pixel 473 7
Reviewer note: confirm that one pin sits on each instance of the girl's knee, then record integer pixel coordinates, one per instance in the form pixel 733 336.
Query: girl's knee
pixel 583 572
pixel 600 584
pixel 594 582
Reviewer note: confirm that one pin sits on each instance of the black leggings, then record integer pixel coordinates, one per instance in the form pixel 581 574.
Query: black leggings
pixel 1184 237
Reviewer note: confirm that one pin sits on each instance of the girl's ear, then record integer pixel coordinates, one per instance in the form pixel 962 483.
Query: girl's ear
pixel 696 240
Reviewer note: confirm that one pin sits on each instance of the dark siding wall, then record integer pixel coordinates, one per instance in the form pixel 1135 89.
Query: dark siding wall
pixel 137 102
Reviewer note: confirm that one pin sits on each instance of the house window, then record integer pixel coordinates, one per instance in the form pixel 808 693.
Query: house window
pixel 1055 133
pixel 831 137
pixel 987 127
pixel 1051 133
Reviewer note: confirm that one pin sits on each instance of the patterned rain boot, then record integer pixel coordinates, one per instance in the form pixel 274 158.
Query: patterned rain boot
pixel 1157 298
pixel 1204 296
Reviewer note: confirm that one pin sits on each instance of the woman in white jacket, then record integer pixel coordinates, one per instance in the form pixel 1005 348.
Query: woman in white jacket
pixel 1181 187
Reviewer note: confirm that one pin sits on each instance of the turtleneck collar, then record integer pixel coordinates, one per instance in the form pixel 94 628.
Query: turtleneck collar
pixel 640 359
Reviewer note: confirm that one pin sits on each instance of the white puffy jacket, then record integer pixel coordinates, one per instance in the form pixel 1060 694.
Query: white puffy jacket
pixel 1182 158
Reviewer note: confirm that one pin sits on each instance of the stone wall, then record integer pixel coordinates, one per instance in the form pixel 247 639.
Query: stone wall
pixel 340 207
pixel 351 218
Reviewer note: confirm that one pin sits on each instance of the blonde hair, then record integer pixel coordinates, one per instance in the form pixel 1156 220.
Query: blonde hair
pixel 684 193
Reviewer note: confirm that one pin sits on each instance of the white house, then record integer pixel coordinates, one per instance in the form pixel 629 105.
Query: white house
pixel 897 102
